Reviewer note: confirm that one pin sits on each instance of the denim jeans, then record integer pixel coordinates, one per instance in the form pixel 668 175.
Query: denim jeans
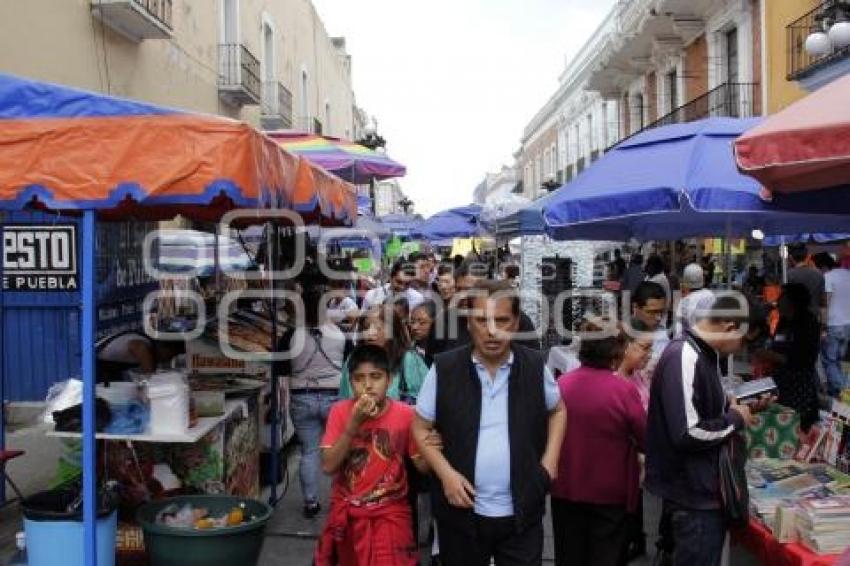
pixel 832 353
pixel 309 411
pixel 698 536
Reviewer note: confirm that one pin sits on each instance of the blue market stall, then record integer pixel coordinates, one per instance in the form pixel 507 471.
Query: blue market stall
pixel 697 192
pixel 459 222
pixel 71 159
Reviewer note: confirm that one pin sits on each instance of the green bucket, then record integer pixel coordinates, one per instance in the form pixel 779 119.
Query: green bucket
pixel 226 546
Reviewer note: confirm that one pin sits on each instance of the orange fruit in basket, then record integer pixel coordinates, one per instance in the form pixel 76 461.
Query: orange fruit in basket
pixel 204 524
pixel 235 517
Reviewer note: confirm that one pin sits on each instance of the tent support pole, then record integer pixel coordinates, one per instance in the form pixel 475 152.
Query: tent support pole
pixel 274 456
pixel 88 366
pixel 783 258
pixel 728 258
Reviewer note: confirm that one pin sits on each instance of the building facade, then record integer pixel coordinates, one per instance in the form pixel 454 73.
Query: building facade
pixel 497 186
pixel 390 199
pixel 650 63
pixel 671 61
pixel 270 63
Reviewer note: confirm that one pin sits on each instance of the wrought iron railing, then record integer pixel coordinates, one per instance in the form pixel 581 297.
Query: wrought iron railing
pixel 159 9
pixel 277 102
pixel 800 63
pixel 732 100
pixel 239 68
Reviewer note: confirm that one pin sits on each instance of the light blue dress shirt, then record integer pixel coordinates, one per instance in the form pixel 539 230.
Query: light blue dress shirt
pixel 493 455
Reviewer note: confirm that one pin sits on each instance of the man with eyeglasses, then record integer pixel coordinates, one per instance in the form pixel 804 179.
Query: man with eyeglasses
pixel 690 418
pixel 649 307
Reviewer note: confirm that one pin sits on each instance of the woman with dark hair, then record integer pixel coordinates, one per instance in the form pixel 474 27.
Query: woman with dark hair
pixel 423 330
pixel 383 327
pixel 317 349
pixel 654 270
pixel 794 352
pixel 598 474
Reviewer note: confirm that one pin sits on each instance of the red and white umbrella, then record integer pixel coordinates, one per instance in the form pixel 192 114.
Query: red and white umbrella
pixel 803 147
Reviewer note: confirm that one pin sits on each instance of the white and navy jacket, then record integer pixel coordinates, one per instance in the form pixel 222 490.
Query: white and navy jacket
pixel 689 418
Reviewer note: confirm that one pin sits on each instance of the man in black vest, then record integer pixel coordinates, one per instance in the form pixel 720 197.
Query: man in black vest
pixel 500 415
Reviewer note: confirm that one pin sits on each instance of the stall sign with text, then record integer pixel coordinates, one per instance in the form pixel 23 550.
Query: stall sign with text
pixel 122 282
pixel 40 257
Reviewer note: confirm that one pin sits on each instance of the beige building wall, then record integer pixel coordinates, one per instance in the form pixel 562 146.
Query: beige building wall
pixel 60 41
pixel 535 162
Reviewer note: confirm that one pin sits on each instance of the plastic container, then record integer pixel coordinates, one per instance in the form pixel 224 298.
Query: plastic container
pixel 119 392
pixel 168 393
pixel 54 535
pixel 228 546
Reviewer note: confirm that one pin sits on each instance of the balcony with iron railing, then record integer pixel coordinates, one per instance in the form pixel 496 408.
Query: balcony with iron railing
pixel 817 39
pixel 136 19
pixel 238 75
pixel 730 100
pixel 276 106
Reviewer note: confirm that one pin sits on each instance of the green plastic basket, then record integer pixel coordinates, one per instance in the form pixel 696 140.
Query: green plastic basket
pixel 227 546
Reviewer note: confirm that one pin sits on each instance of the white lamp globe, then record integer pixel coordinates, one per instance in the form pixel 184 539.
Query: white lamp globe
pixel 758 234
pixel 818 44
pixel 371 128
pixel 839 34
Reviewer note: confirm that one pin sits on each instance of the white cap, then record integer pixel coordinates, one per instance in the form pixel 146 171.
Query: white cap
pixel 692 277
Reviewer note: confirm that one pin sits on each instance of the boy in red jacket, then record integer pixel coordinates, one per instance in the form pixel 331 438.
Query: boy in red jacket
pixel 365 443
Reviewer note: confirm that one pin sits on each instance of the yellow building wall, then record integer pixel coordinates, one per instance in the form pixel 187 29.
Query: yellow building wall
pixel 778 14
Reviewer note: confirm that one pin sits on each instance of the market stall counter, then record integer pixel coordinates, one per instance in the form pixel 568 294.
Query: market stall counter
pixel 799 494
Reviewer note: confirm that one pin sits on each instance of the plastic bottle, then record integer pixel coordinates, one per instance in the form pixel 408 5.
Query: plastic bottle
pixel 20 556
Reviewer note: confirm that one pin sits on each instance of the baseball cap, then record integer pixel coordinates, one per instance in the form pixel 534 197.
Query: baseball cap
pixel 692 277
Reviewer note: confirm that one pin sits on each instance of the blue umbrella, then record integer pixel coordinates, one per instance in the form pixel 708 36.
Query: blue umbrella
pixel 670 182
pixel 460 222
pixel 527 221
pixel 401 224
pixel 793 239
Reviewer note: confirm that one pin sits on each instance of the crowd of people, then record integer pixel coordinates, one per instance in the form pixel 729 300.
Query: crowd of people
pixel 435 385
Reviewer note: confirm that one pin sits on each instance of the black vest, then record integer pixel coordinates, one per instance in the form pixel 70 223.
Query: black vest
pixel 458 421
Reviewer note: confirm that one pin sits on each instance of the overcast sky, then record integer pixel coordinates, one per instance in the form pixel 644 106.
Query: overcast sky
pixel 454 82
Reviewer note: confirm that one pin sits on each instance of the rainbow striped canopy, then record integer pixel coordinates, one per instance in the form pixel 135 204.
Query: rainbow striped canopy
pixel 68 150
pixel 348 160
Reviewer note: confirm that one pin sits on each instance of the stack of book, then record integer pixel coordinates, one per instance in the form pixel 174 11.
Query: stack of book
pixel 779 485
pixel 824 524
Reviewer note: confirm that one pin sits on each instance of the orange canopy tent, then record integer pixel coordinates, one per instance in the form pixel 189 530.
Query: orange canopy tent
pixel 67 150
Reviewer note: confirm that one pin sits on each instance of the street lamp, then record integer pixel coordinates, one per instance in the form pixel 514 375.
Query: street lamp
pixel 550 185
pixel 831 30
pixel 405 204
pixel 370 138
pixel 375 142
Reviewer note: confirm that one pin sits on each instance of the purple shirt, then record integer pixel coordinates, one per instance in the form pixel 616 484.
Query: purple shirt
pixel 606 428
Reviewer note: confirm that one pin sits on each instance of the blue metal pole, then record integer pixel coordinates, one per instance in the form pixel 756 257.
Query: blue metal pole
pixel 88 357
pixel 2 378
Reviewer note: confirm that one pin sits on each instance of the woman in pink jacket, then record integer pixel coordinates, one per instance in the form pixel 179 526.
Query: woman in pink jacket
pixel 598 473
